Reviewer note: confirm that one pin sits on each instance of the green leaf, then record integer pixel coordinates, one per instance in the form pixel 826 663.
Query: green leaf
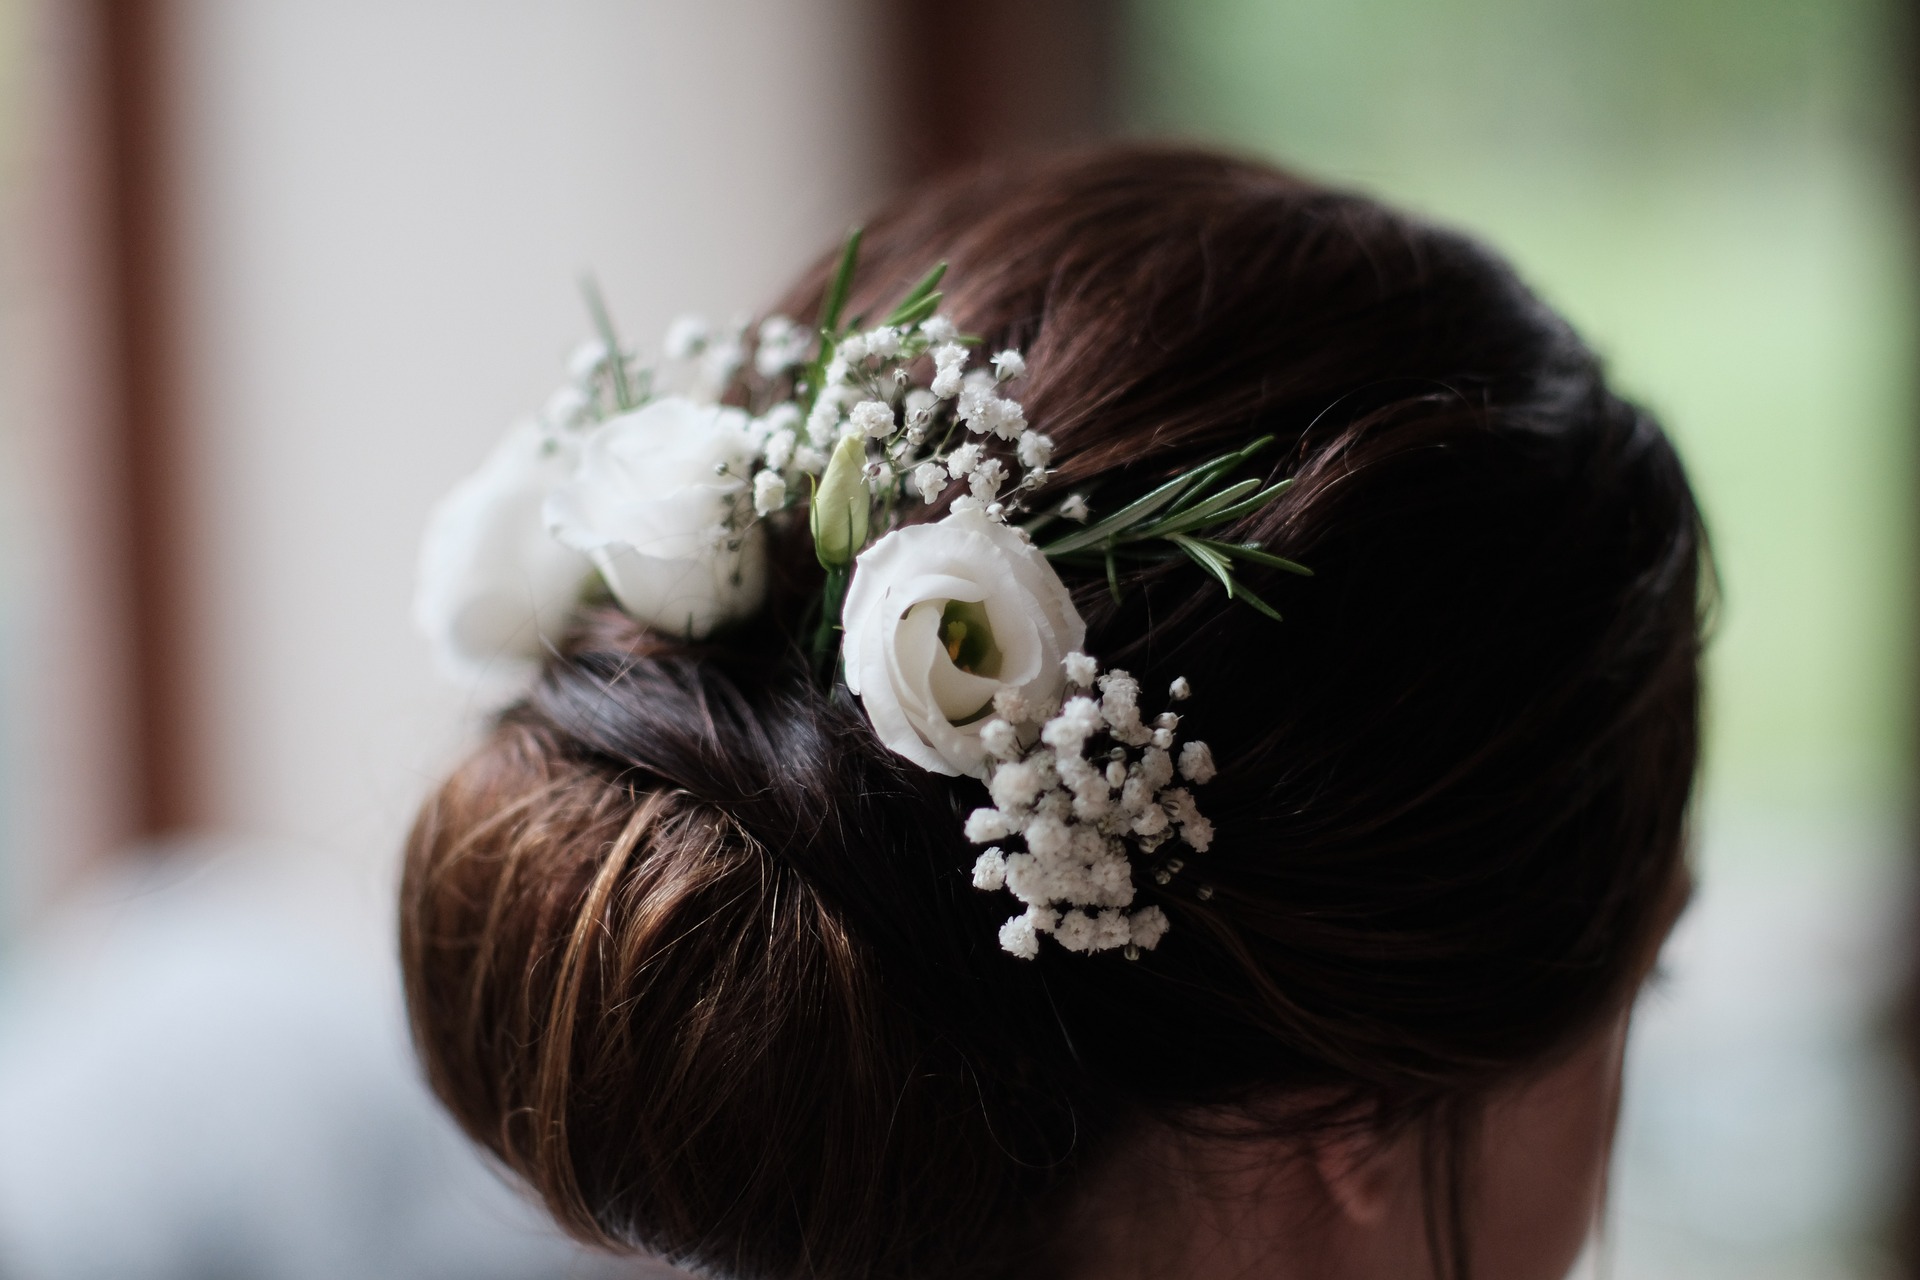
pixel 616 361
pixel 906 316
pixel 1200 513
pixel 1252 551
pixel 841 284
pixel 1207 472
pixel 1252 504
pixel 1212 561
pixel 1216 564
pixel 1254 600
pixel 1113 576
pixel 918 295
pixel 1125 518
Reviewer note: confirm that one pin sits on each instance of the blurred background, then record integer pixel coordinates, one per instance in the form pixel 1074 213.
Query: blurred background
pixel 273 273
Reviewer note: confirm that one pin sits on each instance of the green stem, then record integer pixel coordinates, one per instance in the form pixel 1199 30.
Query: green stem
pixel 825 639
pixel 616 360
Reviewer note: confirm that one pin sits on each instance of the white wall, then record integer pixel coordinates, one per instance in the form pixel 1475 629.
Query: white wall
pixel 388 205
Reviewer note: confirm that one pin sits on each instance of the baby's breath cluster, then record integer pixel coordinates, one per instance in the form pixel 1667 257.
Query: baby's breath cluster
pixel 917 441
pixel 1084 785
pixel 664 484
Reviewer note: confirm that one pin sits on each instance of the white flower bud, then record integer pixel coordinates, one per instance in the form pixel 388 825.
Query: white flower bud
pixel 1075 507
pixel 1009 364
pixel 841 506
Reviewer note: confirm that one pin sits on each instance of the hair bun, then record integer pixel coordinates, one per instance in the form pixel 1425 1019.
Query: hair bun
pixel 701 960
pixel 625 927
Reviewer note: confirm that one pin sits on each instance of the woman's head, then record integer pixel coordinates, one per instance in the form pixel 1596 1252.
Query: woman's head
pixel 700 959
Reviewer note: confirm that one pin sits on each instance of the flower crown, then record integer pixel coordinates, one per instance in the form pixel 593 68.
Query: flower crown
pixel 957 635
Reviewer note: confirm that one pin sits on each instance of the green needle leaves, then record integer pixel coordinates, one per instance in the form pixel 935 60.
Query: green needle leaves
pixel 1176 516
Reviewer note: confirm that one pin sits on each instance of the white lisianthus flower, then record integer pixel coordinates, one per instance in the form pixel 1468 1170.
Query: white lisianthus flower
pixel 659 501
pixel 941 618
pixel 494 586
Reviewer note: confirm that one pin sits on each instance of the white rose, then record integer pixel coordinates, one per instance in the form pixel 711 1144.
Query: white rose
pixel 942 617
pixel 494 587
pixel 661 501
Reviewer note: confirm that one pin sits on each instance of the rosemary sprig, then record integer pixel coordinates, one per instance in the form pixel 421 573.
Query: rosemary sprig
pixel 1177 515
pixel 830 308
pixel 921 301
pixel 624 396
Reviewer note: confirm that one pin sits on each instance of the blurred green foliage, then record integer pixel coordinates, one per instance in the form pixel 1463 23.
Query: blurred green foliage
pixel 1712 190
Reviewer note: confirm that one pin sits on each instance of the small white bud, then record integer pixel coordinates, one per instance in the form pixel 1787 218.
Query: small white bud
pixel 587 360
pixel 769 492
pixel 686 338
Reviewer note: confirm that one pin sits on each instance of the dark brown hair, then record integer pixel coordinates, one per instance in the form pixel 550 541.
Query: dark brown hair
pixel 700 960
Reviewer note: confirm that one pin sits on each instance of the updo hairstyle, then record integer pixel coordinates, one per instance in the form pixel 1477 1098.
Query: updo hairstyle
pixel 700 961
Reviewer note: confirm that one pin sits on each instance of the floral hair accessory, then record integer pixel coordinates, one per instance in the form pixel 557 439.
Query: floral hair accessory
pixel 957 634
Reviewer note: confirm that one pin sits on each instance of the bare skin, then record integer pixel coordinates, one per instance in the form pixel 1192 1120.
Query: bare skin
pixel 1178 1207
